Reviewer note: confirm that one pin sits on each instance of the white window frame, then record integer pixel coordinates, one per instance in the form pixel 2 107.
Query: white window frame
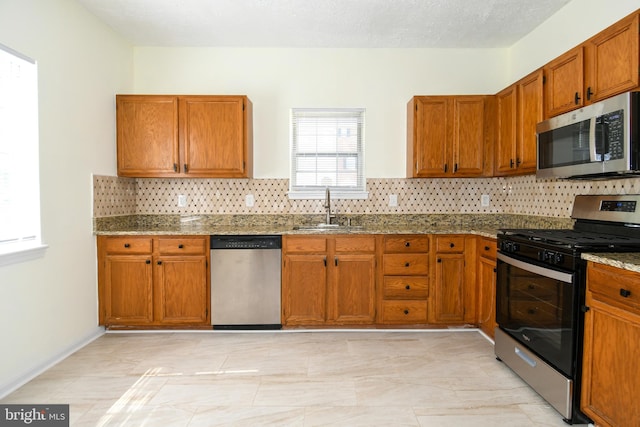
pixel 19 186
pixel 318 191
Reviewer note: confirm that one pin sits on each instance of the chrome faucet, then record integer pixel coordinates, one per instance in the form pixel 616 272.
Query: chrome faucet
pixel 327 205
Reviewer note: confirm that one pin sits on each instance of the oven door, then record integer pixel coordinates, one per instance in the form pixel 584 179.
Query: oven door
pixel 537 305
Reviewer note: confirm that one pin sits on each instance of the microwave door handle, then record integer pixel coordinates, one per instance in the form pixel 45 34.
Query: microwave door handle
pixel 593 149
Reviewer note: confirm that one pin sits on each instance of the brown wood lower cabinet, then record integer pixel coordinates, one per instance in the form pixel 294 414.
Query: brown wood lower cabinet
pixel 328 280
pixel 405 279
pixel 611 377
pixel 454 288
pixel 486 275
pixel 148 281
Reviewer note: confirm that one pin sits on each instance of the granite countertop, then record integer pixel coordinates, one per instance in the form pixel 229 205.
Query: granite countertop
pixel 626 261
pixel 485 225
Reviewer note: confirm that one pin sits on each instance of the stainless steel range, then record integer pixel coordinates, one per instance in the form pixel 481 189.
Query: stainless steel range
pixel 540 292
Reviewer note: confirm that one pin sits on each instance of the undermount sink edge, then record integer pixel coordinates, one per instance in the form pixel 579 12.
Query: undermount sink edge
pixel 328 227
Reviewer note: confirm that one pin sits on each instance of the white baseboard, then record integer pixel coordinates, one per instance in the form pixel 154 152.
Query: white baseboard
pixel 10 387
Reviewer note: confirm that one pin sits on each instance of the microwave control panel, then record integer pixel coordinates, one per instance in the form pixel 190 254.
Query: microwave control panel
pixel 610 135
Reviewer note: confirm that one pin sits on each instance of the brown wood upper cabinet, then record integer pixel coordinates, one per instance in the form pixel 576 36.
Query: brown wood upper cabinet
pixel 446 136
pixel 605 65
pixel 519 108
pixel 184 136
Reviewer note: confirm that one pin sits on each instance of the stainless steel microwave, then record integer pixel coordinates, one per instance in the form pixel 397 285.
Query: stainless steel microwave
pixel 599 141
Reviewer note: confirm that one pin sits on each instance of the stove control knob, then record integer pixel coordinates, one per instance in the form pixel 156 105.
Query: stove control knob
pixel 559 259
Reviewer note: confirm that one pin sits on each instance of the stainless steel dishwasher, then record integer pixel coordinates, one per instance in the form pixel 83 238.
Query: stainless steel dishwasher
pixel 245 282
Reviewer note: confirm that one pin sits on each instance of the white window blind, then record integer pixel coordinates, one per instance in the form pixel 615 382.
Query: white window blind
pixel 19 165
pixel 327 150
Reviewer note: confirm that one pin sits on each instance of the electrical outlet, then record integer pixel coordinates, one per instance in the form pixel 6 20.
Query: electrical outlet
pixel 249 200
pixel 393 200
pixel 182 200
pixel 485 201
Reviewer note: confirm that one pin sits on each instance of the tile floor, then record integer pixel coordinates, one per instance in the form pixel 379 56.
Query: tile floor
pixel 301 378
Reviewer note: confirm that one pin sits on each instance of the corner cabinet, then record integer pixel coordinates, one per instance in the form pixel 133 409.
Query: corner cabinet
pixel 519 108
pixel 152 282
pixel 328 280
pixel 446 136
pixel 610 376
pixel 184 136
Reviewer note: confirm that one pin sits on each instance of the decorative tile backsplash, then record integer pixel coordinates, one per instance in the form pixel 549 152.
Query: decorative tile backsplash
pixel 113 196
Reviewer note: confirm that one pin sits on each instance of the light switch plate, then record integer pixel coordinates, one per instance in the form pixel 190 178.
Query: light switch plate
pixel 393 200
pixel 485 201
pixel 249 200
pixel 182 200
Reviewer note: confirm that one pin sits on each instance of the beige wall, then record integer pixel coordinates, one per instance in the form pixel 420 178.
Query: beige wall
pixel 48 306
pixel 570 26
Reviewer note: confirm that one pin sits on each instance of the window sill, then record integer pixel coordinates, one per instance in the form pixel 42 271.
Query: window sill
pixel 335 195
pixel 14 254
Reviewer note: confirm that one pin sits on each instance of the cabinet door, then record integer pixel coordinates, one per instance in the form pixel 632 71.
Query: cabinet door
pixel 613 60
pixel 304 289
pixel 147 135
pixel 353 289
pixel 431 137
pixel 610 375
pixel 565 82
pixel 506 104
pixel 128 290
pixel 181 295
pixel 449 304
pixel 487 295
pixel 213 133
pixel 468 136
pixel 530 110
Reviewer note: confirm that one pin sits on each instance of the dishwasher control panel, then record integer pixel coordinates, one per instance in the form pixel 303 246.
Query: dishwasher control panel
pixel 246 242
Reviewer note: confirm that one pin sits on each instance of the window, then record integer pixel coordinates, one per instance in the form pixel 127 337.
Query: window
pixel 19 176
pixel 327 150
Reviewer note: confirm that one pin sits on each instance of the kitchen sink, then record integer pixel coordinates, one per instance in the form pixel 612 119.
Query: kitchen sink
pixel 327 227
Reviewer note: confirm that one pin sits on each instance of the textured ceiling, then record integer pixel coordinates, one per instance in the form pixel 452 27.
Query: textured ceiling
pixel 324 23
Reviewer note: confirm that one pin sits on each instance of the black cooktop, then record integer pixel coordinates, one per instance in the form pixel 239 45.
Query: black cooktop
pixel 575 239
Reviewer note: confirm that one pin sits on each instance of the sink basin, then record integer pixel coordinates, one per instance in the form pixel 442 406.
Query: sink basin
pixel 327 227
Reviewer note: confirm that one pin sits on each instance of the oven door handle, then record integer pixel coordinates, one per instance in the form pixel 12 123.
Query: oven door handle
pixel 546 272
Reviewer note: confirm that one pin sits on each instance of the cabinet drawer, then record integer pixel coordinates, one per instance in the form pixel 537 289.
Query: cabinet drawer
pixel 405 264
pixel 355 244
pixel 182 246
pixel 406 244
pixel 450 244
pixel 617 286
pixel 128 245
pixel 304 244
pixel 488 247
pixel 406 287
pixel 404 311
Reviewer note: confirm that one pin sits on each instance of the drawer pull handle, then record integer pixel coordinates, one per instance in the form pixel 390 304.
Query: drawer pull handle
pixel 159 262
pixel 407 244
pixel 406 312
pixel 451 245
pixel 406 264
pixel 148 261
pixel 126 245
pixel 486 248
pixel 625 293
pixel 407 287
pixel 180 246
